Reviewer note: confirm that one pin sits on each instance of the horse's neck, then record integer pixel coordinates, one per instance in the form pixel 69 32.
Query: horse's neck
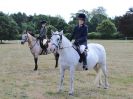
pixel 31 40
pixel 65 42
pixel 66 45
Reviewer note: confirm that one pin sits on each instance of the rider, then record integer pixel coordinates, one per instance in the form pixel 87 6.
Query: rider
pixel 42 34
pixel 80 36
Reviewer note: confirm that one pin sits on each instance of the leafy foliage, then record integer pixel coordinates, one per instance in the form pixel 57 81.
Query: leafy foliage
pixel 8 27
pixel 99 24
pixel 106 28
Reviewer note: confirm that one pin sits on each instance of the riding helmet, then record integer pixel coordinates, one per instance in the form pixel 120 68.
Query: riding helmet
pixel 81 16
pixel 43 22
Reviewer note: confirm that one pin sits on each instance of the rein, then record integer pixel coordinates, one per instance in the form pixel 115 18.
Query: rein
pixel 33 45
pixel 58 46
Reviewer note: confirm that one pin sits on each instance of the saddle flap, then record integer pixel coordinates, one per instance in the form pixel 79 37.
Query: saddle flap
pixel 44 41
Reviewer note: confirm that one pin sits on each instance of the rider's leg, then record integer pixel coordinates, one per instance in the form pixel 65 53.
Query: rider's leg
pixel 41 41
pixel 84 54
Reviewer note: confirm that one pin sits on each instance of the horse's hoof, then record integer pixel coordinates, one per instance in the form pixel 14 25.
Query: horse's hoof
pixel 71 93
pixel 35 69
pixel 106 87
pixel 55 66
pixel 59 90
pixel 85 68
pixel 98 86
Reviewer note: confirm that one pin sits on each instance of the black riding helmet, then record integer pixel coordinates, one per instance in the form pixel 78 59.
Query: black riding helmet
pixel 81 16
pixel 43 22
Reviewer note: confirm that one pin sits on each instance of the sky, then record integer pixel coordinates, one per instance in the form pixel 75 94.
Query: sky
pixel 64 8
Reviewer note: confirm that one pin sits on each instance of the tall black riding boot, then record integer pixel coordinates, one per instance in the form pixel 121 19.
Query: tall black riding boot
pixel 41 43
pixel 84 54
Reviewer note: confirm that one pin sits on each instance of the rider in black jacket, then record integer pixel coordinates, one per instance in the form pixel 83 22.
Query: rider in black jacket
pixel 42 34
pixel 80 36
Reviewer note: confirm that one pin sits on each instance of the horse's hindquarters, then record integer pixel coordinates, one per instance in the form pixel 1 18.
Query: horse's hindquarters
pixel 96 54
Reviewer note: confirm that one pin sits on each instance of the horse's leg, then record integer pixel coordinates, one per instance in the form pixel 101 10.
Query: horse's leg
pixel 72 70
pixel 104 69
pixel 97 68
pixel 62 71
pixel 56 58
pixel 36 66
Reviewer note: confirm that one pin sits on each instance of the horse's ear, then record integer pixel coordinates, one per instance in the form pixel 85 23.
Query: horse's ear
pixel 61 32
pixel 52 32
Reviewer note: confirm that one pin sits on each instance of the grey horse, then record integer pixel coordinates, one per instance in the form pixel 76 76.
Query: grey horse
pixel 36 49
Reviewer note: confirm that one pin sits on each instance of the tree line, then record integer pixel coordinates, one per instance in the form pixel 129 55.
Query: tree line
pixel 100 26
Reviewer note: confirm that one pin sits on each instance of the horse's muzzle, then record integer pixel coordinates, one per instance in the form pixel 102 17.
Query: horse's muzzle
pixel 52 48
pixel 22 42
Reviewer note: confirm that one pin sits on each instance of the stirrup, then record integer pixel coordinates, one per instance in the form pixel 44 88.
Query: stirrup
pixel 85 68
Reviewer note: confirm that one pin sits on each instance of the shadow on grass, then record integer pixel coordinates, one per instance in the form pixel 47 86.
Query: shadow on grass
pixel 64 94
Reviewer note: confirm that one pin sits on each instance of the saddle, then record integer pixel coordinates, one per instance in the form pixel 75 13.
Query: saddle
pixel 43 45
pixel 78 50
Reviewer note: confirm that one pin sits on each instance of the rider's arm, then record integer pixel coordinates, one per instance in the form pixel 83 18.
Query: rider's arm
pixel 84 35
pixel 73 33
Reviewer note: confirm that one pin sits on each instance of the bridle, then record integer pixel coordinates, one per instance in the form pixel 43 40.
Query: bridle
pixel 26 39
pixel 58 46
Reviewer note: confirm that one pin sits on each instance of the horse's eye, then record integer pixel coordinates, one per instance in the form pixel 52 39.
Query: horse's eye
pixel 58 39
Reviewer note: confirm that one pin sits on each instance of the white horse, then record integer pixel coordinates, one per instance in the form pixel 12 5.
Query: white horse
pixel 36 49
pixel 69 59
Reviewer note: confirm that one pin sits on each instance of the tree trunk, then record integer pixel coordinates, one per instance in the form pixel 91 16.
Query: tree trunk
pixel 1 41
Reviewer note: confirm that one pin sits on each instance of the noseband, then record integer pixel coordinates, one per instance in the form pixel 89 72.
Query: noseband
pixel 59 44
pixel 25 38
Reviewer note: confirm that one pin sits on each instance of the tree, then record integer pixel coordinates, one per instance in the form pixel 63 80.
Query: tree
pixel 116 21
pixel 106 28
pixel 130 11
pixel 19 18
pixel 125 24
pixel 99 10
pixel 58 22
pixel 96 19
pixel 8 27
pixel 97 15
pixel 49 29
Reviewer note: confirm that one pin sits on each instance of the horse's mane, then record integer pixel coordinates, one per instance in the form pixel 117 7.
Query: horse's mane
pixel 32 34
pixel 67 41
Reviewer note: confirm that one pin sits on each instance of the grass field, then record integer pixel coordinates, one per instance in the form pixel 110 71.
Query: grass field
pixel 19 81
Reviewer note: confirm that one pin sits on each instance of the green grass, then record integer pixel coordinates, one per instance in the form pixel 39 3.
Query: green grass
pixel 19 81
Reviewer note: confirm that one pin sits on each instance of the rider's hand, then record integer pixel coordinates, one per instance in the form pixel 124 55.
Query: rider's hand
pixel 76 43
pixel 38 37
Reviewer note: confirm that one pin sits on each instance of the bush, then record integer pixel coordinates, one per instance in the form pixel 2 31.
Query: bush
pixel 68 35
pixel 49 28
pixel 117 35
pixel 106 28
pixel 94 35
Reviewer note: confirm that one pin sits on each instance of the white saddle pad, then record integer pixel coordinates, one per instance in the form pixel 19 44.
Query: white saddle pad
pixel 44 41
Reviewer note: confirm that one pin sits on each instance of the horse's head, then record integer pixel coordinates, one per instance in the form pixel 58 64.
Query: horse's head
pixel 56 41
pixel 24 38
